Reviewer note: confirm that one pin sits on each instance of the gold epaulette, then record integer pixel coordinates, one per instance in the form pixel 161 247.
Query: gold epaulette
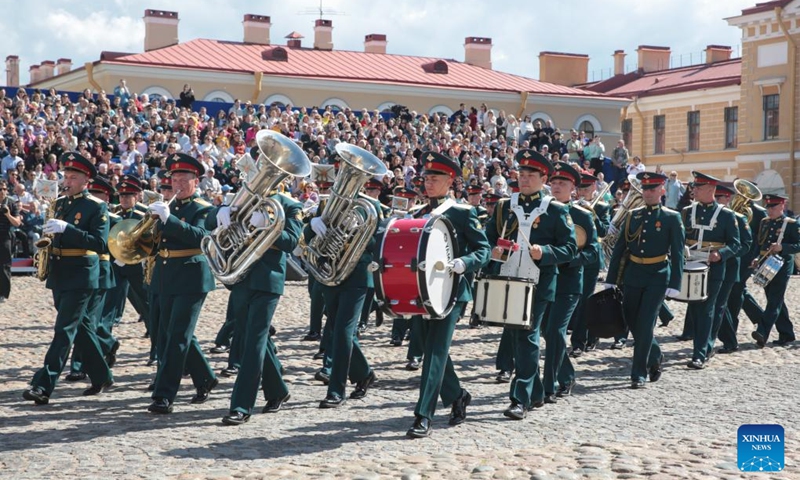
pixel 202 202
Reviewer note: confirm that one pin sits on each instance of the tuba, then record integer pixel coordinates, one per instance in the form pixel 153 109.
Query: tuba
pixel 745 193
pixel 132 241
pixel 233 250
pixel 332 257
pixel 632 200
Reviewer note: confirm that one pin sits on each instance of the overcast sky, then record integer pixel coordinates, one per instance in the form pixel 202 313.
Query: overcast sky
pixel 39 30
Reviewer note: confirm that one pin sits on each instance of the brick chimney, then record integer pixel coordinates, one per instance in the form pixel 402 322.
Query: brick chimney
pixel 652 59
pixel 46 69
pixel 294 40
pixel 718 53
pixel 160 29
pixel 323 34
pixel 256 29
pixel 63 65
pixel 375 43
pixel 478 51
pixel 34 74
pixel 12 71
pixel 566 69
pixel 619 62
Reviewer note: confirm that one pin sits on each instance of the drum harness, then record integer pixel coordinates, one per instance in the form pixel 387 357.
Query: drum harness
pixel 695 253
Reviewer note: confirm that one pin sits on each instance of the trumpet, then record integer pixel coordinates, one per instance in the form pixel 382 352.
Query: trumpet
pixel 131 241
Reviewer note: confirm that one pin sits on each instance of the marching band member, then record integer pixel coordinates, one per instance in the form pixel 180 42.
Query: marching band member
pixel 79 230
pixel 647 263
pixel 373 190
pixel 182 280
pixel 778 235
pixel 559 374
pixel 156 340
pixel 490 202
pixel 317 303
pixel 713 236
pixel 439 378
pixel 543 228
pixel 474 197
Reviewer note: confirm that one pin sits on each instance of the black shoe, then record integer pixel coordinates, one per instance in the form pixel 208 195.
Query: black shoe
pixel 503 376
pixel 684 338
pixel 362 329
pixel 319 355
pixel 536 404
pixel 576 352
pixel 75 376
pixel 362 386
pixel 235 418
pixel 637 384
pixel 726 350
pixel 111 358
pixel 312 336
pixel 217 349
pixel 272 331
pixel 760 340
pixel 781 341
pixel 515 412
pixel 550 398
pixel 98 389
pixel 655 371
pixel 396 341
pixel 665 323
pixel 160 405
pixel 413 364
pixel 474 321
pixel 565 390
pixel 618 344
pixel 203 392
pixel 37 395
pixel 229 371
pixel 322 377
pixel 696 364
pixel 332 401
pixel 420 429
pixel 273 406
pixel 458 412
pixel 152 386
pixel 591 344
pixel 378 318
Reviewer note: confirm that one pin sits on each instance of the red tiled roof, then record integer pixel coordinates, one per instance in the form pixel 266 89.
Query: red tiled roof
pixel 675 80
pixel 339 64
pixel 765 6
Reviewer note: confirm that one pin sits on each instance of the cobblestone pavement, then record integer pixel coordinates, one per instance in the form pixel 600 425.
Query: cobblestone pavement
pixel 684 426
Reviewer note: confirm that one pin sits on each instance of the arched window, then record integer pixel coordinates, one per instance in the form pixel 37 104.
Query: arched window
pixel 335 103
pixel 770 182
pixel 443 109
pixel 157 93
pixel 218 96
pixel 589 124
pixel 542 117
pixel 386 107
pixel 279 100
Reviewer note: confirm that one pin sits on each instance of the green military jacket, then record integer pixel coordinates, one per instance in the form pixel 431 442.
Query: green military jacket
pixel 87 229
pixel 107 280
pixel 553 231
pixel 483 214
pixel 602 220
pixel 268 274
pixel 649 232
pixel 725 232
pixel 570 275
pixel 768 234
pixel 759 214
pixel 184 229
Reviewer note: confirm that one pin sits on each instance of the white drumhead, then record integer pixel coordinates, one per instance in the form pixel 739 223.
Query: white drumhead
pixel 695 266
pixel 439 283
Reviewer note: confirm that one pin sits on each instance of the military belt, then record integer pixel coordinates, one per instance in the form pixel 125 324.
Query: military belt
pixel 191 252
pixel 706 244
pixel 648 260
pixel 72 252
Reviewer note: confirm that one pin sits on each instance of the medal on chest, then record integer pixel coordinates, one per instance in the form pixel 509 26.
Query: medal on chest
pixel 658 225
pixel 77 218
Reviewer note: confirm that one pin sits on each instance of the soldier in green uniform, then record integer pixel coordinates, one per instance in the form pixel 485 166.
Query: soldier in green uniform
pixel 777 235
pixel 543 229
pixel 591 271
pixel 439 378
pixel 559 373
pixel 373 190
pixel 182 280
pixel 153 301
pixel 474 197
pixel 79 230
pixel 712 235
pixel 254 301
pixel 647 262
pixel 101 189
pixel 722 317
pixel 317 304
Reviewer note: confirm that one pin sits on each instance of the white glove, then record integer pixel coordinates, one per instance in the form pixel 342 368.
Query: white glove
pixel 54 225
pixel 119 262
pixel 459 266
pixel 161 209
pixel 298 251
pixel 318 226
pixel 224 217
pixel 672 293
pixel 257 219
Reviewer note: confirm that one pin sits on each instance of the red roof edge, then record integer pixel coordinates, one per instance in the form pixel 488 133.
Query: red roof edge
pixel 765 6
pixel 613 83
pixel 112 55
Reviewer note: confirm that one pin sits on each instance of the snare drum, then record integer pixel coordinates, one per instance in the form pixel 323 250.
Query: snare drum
pixel 414 275
pixel 504 301
pixel 767 270
pixel 694 283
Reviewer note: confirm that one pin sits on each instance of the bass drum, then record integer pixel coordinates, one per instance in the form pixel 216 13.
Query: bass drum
pixel 414 276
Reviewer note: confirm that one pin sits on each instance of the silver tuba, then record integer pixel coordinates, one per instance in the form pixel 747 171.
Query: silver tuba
pixel 231 251
pixel 632 200
pixel 332 257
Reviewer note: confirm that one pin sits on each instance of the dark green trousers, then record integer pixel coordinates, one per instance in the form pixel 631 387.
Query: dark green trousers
pixel 439 378
pixel 721 315
pixel 369 302
pixel 259 364
pixel 504 360
pixel 557 364
pixel 73 324
pixel 580 334
pixel 775 292
pixel 178 317
pixel 703 320
pixel 156 335
pixel 526 352
pixel 317 305
pixel 399 327
pixel 225 335
pixel 741 299
pixel 416 342
pixel 343 305
pixel 105 338
pixel 640 306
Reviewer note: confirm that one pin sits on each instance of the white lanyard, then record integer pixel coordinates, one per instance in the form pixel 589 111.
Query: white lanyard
pixel 702 228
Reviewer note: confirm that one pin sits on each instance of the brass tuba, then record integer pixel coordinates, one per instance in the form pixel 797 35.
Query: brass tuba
pixel 745 193
pixel 332 257
pixel 231 251
pixel 632 200
pixel 132 241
